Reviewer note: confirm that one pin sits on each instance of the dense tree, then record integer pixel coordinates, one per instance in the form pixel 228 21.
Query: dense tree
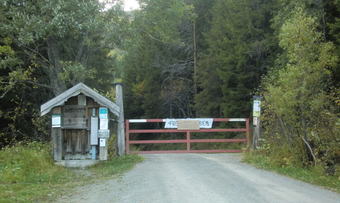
pixel 240 49
pixel 158 64
pixel 300 113
pixel 47 46
pixel 332 18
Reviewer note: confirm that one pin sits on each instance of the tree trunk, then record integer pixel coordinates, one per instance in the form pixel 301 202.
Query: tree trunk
pixel 55 67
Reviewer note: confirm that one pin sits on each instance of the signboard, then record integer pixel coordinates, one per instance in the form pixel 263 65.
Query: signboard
pixel 257 108
pixel 104 124
pixel 102 142
pixel 94 131
pixel 56 121
pixel 103 113
pixel 74 117
pixel 188 125
pixel 203 122
pixel 103 133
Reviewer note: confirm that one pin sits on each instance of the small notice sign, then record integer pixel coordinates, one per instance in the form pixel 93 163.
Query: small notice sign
pixel 256 108
pixel 102 142
pixel 56 121
pixel 188 125
pixel 203 122
pixel 94 131
pixel 103 124
pixel 103 113
pixel 104 133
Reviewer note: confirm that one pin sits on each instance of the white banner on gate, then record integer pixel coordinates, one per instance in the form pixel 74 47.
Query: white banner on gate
pixel 204 122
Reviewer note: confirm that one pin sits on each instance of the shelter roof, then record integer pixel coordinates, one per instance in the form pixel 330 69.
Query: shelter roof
pixel 74 91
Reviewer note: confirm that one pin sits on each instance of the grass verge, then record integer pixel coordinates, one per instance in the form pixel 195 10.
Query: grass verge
pixel 313 175
pixel 28 174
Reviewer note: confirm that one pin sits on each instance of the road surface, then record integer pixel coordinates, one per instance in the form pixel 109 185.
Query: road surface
pixel 200 178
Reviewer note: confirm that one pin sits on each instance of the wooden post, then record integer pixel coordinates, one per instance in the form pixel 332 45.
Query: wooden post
pixel 57 138
pixel 127 136
pixel 256 132
pixel 248 133
pixel 120 128
pixel 188 141
pixel 103 149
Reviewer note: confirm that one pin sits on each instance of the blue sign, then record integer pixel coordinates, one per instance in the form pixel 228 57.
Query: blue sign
pixel 103 113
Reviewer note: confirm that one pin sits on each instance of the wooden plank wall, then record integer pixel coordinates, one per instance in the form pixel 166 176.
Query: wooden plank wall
pixel 76 128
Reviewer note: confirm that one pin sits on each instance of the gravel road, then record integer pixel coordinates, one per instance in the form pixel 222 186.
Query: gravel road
pixel 211 178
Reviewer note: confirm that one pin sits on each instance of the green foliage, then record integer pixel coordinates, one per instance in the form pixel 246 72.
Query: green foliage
pixel 299 112
pixel 240 49
pixel 310 175
pixel 29 163
pixel 28 173
pixel 46 47
pixel 332 13
pixel 158 67
pixel 115 166
pixel 112 148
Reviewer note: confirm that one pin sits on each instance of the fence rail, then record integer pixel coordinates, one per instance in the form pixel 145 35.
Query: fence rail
pixel 188 139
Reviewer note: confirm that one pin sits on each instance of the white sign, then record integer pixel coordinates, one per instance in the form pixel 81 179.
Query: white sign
pixel 103 124
pixel 94 131
pixel 203 122
pixel 102 142
pixel 104 133
pixel 56 121
pixel 256 108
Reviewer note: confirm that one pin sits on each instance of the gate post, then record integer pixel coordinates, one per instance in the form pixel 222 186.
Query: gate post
pixel 248 132
pixel 188 141
pixel 127 136
pixel 120 129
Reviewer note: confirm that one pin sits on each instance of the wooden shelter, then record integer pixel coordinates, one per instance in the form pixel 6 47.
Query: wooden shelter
pixel 80 123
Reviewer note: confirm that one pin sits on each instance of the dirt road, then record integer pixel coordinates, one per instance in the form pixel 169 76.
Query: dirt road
pixel 200 178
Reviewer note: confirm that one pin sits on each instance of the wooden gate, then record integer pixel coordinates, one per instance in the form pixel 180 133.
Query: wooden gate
pixel 188 140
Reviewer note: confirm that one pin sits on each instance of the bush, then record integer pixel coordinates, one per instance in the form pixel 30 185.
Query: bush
pixel 29 163
pixel 300 115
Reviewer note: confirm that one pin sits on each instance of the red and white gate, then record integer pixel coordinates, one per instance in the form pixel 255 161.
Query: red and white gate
pixel 188 139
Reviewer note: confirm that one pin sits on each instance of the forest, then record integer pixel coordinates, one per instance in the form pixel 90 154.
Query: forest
pixel 181 59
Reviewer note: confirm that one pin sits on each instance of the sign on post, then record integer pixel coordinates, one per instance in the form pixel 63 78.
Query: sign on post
pixel 103 113
pixel 256 110
pixel 102 142
pixel 256 120
pixel 103 118
pixel 56 121
pixel 94 131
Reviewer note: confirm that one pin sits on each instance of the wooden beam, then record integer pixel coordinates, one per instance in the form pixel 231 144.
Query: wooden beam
pixel 120 128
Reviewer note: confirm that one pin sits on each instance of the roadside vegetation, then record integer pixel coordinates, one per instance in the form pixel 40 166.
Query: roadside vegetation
pixel 282 165
pixel 300 117
pixel 28 174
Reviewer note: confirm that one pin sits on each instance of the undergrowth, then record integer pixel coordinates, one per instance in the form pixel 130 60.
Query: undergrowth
pixel 28 173
pixel 314 175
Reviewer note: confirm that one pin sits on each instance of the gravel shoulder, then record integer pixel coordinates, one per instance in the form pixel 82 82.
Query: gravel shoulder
pixel 200 178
